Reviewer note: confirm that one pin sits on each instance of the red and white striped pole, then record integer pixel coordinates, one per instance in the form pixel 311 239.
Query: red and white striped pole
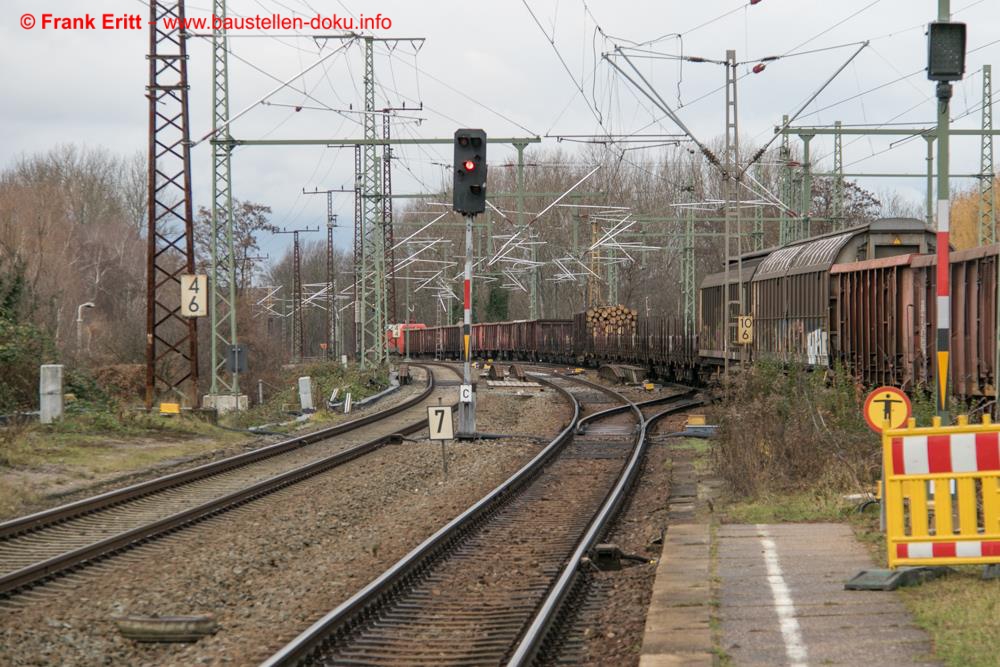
pixel 943 347
pixel 467 409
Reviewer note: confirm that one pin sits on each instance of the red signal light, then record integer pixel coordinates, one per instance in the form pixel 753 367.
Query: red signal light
pixel 469 165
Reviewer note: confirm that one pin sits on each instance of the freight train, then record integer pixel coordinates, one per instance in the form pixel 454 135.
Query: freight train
pixel 862 297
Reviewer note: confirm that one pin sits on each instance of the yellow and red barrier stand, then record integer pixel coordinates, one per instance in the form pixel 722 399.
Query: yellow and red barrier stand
pixel 942 493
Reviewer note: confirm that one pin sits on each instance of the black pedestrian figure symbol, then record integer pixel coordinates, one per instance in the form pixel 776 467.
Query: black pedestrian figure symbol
pixel 887 406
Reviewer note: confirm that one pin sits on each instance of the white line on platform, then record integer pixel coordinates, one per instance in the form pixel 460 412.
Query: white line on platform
pixel 783 605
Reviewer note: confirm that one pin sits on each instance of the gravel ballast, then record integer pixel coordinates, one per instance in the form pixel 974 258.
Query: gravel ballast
pixel 270 568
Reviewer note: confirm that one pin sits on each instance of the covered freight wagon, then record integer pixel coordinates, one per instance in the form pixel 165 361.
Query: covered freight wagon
pixel 788 291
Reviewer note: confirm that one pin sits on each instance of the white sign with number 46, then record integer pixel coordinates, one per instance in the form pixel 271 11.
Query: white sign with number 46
pixel 194 295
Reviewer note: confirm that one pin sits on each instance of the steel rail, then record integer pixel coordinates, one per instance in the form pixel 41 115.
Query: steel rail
pixel 534 637
pixel 364 603
pixel 582 428
pixel 31 575
pixel 30 522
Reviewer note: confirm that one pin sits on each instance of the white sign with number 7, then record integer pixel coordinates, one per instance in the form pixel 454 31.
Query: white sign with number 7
pixel 439 423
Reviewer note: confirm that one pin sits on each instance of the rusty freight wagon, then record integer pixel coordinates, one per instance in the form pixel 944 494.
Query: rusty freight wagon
pixel 660 343
pixel 885 319
pixel 537 340
pixel 789 292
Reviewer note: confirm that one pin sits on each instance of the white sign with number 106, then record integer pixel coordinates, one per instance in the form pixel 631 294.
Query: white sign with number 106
pixel 194 295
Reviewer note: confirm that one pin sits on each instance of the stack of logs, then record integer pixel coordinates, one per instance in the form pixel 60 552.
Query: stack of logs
pixel 611 320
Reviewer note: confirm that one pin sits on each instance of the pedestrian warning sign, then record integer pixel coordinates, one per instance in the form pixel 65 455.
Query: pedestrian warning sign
pixel 887 404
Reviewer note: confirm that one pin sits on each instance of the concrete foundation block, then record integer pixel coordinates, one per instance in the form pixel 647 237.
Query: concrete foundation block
pixel 223 403
pixel 50 393
pixel 306 394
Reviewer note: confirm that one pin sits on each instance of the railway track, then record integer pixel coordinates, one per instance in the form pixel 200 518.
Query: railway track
pixel 41 546
pixel 488 587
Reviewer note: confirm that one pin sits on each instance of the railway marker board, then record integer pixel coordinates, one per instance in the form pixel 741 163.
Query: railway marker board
pixel 439 423
pixel 745 330
pixel 465 393
pixel 194 295
pixel 887 404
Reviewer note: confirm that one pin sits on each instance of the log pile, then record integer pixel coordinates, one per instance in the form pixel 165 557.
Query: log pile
pixel 611 320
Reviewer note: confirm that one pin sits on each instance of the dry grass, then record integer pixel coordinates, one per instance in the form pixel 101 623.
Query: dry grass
pixel 778 507
pixel 36 460
pixel 785 430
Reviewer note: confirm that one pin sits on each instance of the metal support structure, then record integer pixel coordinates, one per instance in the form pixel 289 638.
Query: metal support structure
pixel 805 198
pixel 409 317
pixel 613 283
pixel 358 245
pixel 388 237
pixel 467 410
pixel 370 285
pixel 333 341
pixel 757 235
pixel 987 214
pixel 171 340
pixel 733 232
pixel 594 262
pixel 988 218
pixel 838 180
pixel 786 195
pixel 374 292
pixel 942 372
pixel 534 310
pixel 688 275
pixel 930 181
pixel 332 314
pixel 758 228
pixel 298 332
pixel 222 276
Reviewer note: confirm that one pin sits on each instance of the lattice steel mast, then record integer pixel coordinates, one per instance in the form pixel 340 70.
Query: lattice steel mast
pixel 785 155
pixel 987 214
pixel 838 178
pixel 222 275
pixel 332 314
pixel 370 286
pixel 298 332
pixel 733 235
pixel 171 340
pixel 688 275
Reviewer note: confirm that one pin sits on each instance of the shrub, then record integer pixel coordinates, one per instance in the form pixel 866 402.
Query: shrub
pixel 789 428
pixel 23 346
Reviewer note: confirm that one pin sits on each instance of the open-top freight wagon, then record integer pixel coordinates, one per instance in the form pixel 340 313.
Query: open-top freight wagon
pixel 661 343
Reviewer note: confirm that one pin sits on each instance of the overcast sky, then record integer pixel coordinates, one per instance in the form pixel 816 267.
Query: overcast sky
pixel 490 65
